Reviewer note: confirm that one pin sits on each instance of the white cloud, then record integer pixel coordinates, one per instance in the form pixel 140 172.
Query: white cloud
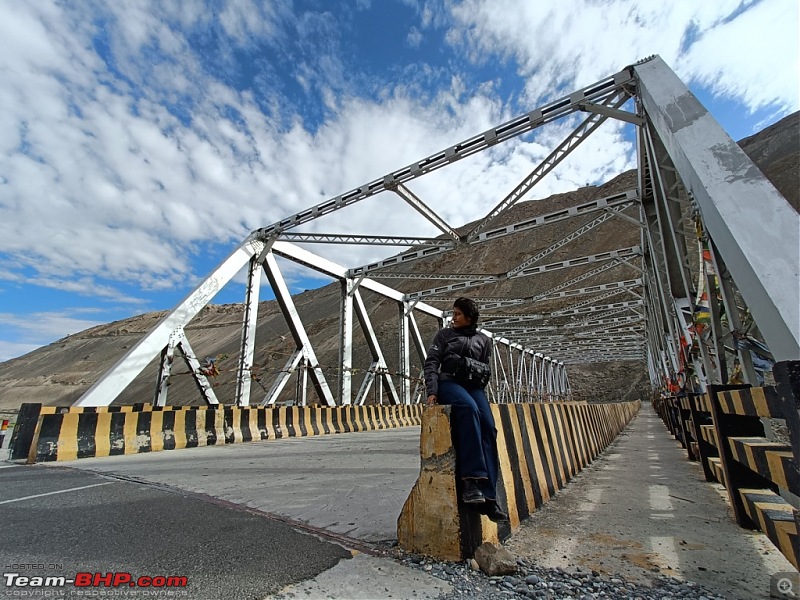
pixel 124 169
pixel 9 350
pixel 733 59
pixel 39 328
pixel 572 45
pixel 414 37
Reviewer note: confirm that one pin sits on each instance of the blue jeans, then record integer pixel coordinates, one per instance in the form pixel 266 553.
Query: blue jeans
pixel 474 434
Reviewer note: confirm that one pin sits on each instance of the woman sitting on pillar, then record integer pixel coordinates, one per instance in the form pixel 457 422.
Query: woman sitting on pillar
pixel 456 373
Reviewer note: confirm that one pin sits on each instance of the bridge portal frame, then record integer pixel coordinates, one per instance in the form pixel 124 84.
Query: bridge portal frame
pixel 680 148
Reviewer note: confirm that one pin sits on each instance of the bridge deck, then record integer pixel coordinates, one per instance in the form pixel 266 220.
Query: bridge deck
pixel 640 510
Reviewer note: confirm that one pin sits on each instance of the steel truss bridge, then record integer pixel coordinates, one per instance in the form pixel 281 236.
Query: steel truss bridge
pixel 708 294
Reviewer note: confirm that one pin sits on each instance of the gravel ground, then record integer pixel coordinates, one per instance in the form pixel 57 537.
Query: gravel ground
pixel 534 582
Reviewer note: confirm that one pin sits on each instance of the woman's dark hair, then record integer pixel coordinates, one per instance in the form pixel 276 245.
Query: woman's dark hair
pixel 468 307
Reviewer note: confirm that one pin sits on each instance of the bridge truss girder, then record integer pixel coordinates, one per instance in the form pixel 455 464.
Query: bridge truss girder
pixel 682 152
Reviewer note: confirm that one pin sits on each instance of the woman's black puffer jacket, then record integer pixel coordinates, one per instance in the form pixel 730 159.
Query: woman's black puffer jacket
pixel 447 348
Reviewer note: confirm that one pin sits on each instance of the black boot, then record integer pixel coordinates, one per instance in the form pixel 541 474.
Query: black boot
pixel 494 512
pixel 472 495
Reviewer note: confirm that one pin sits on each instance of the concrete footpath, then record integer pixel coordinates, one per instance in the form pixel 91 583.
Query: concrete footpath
pixel 643 509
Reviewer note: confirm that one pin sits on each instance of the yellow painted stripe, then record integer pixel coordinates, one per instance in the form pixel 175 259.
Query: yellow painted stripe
pixel 760 402
pixel 519 430
pixel 156 431
pixel 180 430
pixel 505 468
pixel 238 434
pixel 543 425
pixel 67 448
pixel 307 420
pixel 787 541
pixel 129 432
pixel 536 470
pixel 102 438
pixel 282 421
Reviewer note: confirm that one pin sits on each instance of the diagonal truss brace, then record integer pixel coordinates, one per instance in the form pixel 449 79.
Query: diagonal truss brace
pixel 284 299
pixel 423 209
pixel 559 154
pixel 178 340
pixel 133 362
pixel 599 220
pixel 609 203
pixel 599 91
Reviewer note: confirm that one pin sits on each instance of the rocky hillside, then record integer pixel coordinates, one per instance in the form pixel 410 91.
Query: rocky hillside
pixel 59 373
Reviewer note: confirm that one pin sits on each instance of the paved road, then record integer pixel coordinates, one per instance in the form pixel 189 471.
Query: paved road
pixel 353 485
pixel 70 521
pixel 240 521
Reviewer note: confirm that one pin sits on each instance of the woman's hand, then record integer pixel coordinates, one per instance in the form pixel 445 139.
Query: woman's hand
pixel 431 399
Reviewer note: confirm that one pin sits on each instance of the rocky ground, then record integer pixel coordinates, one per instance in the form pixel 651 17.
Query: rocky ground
pixel 534 582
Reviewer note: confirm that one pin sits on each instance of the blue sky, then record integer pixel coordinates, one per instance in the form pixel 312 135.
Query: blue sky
pixel 141 141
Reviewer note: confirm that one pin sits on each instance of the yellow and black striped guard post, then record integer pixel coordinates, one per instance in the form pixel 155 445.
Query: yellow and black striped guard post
pixel 541 446
pixel 68 434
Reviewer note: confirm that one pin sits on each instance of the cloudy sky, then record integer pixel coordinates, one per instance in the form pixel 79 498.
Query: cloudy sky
pixel 141 141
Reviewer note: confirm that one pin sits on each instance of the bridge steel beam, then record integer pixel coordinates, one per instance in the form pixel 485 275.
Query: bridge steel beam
pixel 750 222
pixel 111 384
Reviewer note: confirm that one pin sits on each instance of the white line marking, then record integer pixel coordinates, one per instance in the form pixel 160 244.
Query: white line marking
pixel 8 466
pixel 83 487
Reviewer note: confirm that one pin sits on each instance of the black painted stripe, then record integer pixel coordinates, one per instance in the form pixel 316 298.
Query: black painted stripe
pixel 507 432
pixel 524 410
pixel 540 428
pixel 192 438
pixel 210 425
pixel 49 431
pixel 575 435
pixel 261 421
pixel 555 446
pixel 244 423
pixel 168 420
pixel 227 425
pixel 345 418
pixel 314 414
pixel 143 423
pixel 390 416
pixel 86 431
pixel 589 426
pixel 276 423
pixel 117 433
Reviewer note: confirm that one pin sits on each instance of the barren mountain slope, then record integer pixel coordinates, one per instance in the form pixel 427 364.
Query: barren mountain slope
pixel 59 373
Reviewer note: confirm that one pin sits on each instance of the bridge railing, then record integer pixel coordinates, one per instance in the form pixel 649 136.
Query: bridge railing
pixel 725 431
pixel 541 447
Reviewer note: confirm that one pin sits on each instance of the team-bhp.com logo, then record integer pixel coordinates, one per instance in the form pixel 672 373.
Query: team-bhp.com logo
pixel 94 580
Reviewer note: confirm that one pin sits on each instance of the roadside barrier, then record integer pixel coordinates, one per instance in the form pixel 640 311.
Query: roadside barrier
pixel 64 433
pixel 3 430
pixel 724 431
pixel 541 447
